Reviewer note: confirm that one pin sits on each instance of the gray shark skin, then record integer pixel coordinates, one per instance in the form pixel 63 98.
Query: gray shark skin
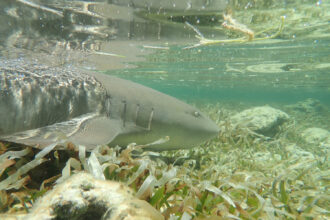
pixel 41 105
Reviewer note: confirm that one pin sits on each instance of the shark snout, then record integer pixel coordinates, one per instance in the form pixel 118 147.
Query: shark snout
pixel 203 129
pixel 211 129
pixel 214 129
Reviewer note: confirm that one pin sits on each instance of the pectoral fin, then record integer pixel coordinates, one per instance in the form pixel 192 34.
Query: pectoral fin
pixel 96 131
pixel 89 130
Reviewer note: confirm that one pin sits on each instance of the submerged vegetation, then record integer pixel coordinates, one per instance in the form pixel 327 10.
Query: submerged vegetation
pixel 231 24
pixel 238 175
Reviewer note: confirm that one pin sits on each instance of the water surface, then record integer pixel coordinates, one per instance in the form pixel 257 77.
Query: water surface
pixel 145 42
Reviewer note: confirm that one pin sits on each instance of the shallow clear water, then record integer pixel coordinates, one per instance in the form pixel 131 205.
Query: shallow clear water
pixel 145 42
pixel 285 176
pixel 277 71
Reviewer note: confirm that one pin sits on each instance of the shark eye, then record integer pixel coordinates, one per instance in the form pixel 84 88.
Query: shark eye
pixel 196 114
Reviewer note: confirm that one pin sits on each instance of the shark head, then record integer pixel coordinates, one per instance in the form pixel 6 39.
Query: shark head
pixel 150 115
pixel 185 125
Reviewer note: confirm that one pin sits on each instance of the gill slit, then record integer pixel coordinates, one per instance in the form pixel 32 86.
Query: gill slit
pixel 108 105
pixel 150 119
pixel 137 113
pixel 124 113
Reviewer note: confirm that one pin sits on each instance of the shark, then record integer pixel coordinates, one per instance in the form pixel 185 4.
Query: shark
pixel 42 105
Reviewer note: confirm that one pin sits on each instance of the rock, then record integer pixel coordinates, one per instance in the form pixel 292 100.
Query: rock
pixel 263 120
pixel 316 135
pixel 308 105
pixel 299 154
pixel 83 197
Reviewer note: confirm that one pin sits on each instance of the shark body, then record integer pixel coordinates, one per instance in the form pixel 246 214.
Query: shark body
pixel 41 105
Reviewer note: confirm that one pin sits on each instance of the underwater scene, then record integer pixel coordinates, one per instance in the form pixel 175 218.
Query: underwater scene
pixel 165 109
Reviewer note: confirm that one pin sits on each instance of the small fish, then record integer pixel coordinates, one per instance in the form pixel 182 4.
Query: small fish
pixel 41 105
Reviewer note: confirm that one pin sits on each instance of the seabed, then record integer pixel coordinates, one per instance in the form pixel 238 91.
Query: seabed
pixel 237 175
